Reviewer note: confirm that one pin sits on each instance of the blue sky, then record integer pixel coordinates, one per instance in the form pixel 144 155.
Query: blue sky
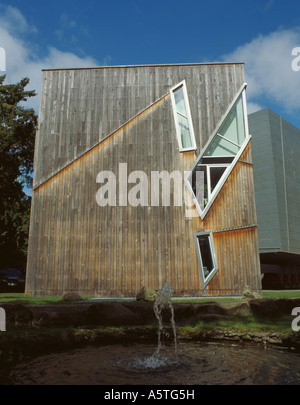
pixel 72 33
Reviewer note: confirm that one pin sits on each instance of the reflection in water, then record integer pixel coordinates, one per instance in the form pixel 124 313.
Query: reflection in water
pixel 198 364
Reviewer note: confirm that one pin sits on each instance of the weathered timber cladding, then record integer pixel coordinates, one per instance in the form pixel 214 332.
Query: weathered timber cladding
pixel 232 220
pixel 81 107
pixel 93 120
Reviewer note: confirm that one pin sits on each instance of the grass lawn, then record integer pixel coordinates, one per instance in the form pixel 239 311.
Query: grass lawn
pixel 282 294
pixel 20 298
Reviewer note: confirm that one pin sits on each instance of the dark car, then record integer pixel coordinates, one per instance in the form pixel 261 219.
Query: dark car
pixel 11 280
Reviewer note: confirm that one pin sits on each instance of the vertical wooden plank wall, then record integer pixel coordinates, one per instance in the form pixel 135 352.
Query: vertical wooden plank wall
pixel 85 127
pixel 233 221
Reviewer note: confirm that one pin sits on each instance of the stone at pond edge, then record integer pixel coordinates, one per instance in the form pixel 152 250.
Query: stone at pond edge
pixel 146 294
pixel 18 314
pixel 116 314
pixel 71 296
pixel 248 293
pixel 272 308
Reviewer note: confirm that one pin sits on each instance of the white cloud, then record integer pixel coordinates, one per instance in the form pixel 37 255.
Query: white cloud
pixel 53 59
pixel 253 107
pixel 12 20
pixel 22 58
pixel 268 69
pixel 269 5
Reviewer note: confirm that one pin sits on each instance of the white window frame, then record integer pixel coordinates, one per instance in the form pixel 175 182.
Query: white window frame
pixel 202 213
pixel 188 117
pixel 208 167
pixel 205 280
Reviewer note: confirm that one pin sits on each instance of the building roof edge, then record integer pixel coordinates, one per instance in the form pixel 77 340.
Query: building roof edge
pixel 145 66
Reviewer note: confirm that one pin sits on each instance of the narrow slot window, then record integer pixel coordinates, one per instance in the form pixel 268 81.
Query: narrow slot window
pixel 206 257
pixel 183 119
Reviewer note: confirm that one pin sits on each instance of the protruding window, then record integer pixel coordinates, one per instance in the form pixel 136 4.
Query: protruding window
pixel 231 134
pixel 183 119
pixel 206 257
pixel 205 179
pixel 218 158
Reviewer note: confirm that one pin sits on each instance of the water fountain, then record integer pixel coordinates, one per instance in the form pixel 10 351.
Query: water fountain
pixel 199 363
pixel 162 301
pixel 161 304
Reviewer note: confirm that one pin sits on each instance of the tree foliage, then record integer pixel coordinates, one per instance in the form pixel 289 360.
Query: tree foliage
pixel 17 136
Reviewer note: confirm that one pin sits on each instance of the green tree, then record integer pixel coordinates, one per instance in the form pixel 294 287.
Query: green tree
pixel 17 135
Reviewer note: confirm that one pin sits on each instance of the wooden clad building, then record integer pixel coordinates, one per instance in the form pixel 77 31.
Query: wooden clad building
pixel 143 175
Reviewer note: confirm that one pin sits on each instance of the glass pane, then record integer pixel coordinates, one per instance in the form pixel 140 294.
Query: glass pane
pixel 221 147
pixel 184 132
pixel 215 175
pixel 200 186
pixel 220 154
pixel 207 261
pixel 179 101
pixel 229 127
pixel 233 127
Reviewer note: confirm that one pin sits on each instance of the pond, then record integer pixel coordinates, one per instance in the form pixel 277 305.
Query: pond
pixel 198 363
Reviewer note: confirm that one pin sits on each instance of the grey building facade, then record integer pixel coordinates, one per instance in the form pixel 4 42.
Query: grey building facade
pixel 276 165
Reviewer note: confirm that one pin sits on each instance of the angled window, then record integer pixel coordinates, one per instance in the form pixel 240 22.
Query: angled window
pixel 231 135
pixel 219 156
pixel 182 117
pixel 206 256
